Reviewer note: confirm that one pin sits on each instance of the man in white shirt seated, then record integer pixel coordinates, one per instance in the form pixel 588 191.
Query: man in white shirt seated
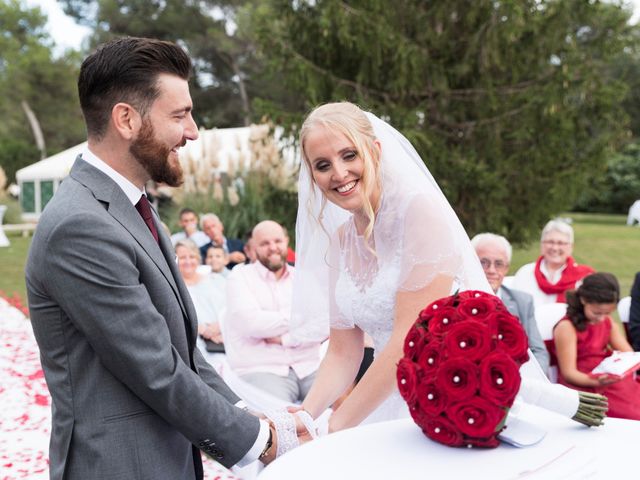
pixel 494 252
pixel 189 223
pixel 256 329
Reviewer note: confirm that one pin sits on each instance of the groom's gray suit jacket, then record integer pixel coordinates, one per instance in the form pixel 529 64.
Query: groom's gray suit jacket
pixel 116 330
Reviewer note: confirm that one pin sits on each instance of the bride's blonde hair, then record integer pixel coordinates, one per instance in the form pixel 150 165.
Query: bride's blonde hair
pixel 349 120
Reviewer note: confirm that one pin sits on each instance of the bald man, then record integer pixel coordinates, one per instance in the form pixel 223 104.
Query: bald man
pixel 256 330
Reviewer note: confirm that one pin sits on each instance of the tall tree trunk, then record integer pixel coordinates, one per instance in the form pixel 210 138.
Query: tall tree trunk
pixel 246 108
pixel 35 128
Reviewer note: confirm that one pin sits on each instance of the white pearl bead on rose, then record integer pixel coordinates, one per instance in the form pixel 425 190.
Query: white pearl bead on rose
pixel 430 396
pixel 437 429
pixel 403 381
pixel 435 307
pixel 474 311
pixel 456 379
pixel 411 344
pixel 463 344
pixel 477 295
pixel 499 381
pixel 471 421
pixel 430 361
pixel 500 337
pixel 445 320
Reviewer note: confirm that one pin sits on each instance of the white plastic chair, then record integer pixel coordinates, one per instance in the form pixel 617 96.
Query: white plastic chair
pixel 624 309
pixel 547 315
pixel 624 306
pixel 508 281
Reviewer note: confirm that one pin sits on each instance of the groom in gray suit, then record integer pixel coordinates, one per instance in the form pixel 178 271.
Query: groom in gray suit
pixel 132 397
pixel 494 252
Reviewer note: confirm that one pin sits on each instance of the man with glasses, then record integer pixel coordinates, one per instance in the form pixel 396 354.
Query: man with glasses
pixel 494 252
pixel 548 278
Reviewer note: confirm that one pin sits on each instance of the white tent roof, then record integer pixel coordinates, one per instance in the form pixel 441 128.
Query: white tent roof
pixel 55 167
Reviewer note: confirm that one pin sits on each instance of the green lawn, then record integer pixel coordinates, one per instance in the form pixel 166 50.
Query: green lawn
pixel 12 260
pixel 601 241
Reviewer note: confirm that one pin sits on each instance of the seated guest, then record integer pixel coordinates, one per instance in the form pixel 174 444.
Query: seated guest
pixel 207 296
pixel 634 315
pixel 218 260
pixel 188 221
pixel 257 339
pixel 585 336
pixel 249 250
pixel 555 271
pixel 214 229
pixel 494 252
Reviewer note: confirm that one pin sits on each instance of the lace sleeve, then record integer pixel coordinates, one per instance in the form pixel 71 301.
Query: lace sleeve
pixel 431 247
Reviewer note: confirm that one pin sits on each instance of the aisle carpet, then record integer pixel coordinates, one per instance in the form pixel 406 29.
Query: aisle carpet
pixel 25 405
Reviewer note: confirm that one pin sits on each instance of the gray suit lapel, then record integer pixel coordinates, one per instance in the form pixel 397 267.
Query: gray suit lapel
pixel 508 300
pixel 121 209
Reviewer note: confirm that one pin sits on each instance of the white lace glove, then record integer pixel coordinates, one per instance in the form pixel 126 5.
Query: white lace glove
pixel 285 426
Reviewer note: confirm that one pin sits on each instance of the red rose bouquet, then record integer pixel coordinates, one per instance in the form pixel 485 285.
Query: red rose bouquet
pixel 460 370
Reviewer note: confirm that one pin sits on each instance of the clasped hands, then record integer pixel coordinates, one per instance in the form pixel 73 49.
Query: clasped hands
pixel 301 422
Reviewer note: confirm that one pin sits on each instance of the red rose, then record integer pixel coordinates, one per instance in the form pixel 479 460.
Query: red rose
pixel 467 294
pixel 512 338
pixel 407 377
pixel 430 310
pixel 493 319
pixel 470 339
pixel 443 320
pixel 442 430
pixel 476 417
pixel 499 379
pixel 490 442
pixel 414 342
pixel 431 399
pixel 477 308
pixel 430 358
pixel 458 378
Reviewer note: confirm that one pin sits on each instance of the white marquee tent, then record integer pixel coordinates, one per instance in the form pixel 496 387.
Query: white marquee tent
pixel 39 181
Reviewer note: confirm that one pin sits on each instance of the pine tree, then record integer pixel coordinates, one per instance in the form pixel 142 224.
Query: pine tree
pixel 511 103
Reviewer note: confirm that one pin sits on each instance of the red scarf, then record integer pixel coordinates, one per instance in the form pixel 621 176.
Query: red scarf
pixel 570 275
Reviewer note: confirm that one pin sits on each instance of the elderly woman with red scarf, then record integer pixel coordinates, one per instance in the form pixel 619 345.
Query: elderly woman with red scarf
pixel 555 271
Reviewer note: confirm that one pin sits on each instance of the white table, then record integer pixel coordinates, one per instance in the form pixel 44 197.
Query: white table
pixel 399 450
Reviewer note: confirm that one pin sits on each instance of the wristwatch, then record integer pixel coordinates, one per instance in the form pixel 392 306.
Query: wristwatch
pixel 267 448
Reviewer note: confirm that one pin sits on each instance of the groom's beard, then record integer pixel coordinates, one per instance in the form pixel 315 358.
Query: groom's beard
pixel 153 155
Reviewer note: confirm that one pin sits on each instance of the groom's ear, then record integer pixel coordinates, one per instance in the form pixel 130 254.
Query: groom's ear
pixel 126 120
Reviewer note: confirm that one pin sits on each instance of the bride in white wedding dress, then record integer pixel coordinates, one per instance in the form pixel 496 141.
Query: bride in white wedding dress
pixel 376 242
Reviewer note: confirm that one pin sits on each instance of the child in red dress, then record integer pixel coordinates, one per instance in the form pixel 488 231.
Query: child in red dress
pixel 586 335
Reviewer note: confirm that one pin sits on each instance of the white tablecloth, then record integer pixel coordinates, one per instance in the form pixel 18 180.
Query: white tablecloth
pixel 399 450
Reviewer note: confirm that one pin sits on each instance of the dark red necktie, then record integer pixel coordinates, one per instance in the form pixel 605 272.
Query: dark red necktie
pixel 144 209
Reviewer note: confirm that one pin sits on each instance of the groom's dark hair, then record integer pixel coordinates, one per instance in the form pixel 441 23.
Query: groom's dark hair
pixel 126 70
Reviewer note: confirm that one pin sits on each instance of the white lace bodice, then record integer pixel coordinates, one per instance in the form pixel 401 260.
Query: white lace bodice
pixel 365 296
pixel 368 302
